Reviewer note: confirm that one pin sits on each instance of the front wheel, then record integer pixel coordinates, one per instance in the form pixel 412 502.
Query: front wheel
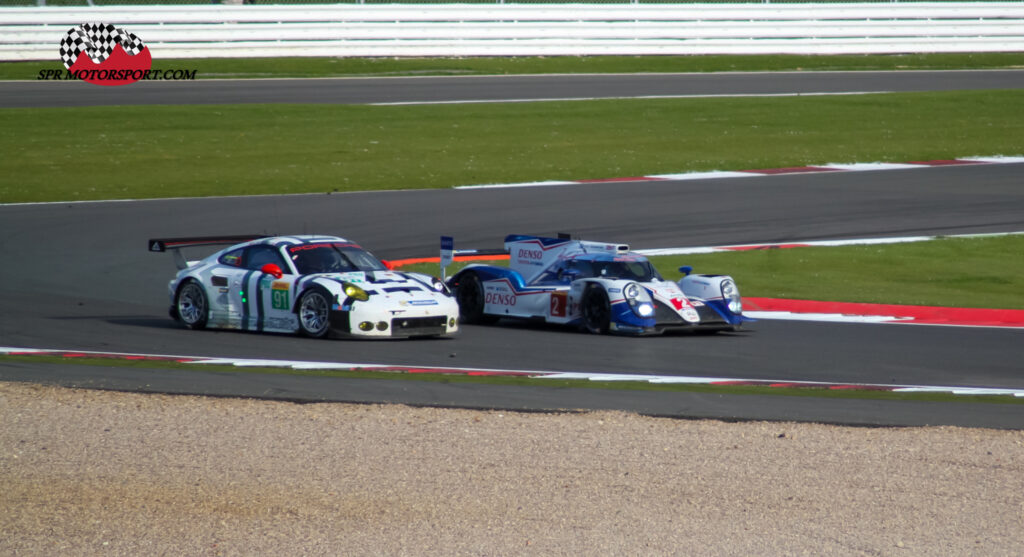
pixel 314 310
pixel 191 305
pixel 597 310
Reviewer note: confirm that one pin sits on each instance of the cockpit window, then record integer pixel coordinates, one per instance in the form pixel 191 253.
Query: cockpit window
pixel 232 258
pixel 259 255
pixel 563 272
pixel 333 257
pixel 568 270
pixel 641 271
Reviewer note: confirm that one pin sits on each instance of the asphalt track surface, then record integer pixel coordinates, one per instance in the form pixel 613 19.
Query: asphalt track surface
pixel 78 276
pixel 23 94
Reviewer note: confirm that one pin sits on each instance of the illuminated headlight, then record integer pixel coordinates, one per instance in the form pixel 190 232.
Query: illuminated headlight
pixel 638 299
pixel 440 286
pixel 731 294
pixel 356 293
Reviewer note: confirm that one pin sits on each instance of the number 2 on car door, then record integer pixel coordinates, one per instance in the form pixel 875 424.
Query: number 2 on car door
pixel 558 303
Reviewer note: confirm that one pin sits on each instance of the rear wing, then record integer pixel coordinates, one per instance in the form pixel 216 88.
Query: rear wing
pixel 174 244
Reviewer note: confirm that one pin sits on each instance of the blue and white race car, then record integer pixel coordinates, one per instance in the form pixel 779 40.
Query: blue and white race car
pixel 313 285
pixel 603 288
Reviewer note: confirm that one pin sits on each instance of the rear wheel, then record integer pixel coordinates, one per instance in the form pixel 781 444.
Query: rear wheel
pixel 597 311
pixel 191 305
pixel 314 311
pixel 469 293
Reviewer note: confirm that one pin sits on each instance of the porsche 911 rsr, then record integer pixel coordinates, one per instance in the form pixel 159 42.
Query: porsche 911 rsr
pixel 602 288
pixel 313 285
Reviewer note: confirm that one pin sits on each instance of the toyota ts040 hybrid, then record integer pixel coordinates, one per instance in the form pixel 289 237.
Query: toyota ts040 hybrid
pixel 597 286
pixel 313 285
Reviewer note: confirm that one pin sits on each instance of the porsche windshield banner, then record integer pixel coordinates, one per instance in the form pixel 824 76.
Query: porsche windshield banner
pixel 102 54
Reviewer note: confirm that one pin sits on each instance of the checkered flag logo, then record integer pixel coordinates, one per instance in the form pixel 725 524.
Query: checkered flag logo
pixel 97 40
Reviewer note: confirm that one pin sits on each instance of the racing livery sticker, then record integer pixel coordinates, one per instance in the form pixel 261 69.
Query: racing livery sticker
pixel 529 256
pixel 500 298
pixel 499 294
pixel 279 295
pixel 559 303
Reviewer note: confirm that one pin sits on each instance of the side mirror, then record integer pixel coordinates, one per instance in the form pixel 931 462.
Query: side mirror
pixel 686 270
pixel 272 269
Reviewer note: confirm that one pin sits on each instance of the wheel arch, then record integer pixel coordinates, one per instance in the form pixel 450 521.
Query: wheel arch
pixel 316 284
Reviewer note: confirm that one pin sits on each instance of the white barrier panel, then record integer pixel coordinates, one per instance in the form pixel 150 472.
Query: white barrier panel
pixel 209 31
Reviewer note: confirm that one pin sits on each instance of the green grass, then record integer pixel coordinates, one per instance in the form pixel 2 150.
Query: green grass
pixel 950 272
pixel 359 373
pixel 208 68
pixel 55 154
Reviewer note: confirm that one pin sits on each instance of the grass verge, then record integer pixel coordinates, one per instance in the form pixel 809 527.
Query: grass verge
pixel 357 373
pixel 949 272
pixel 233 68
pixel 57 154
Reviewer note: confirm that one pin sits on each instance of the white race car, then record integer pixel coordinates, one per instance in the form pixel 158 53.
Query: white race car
pixel 313 285
pixel 598 286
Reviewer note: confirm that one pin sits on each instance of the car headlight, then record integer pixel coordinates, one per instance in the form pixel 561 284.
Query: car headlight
pixel 638 299
pixel 635 293
pixel 731 295
pixel 440 286
pixel 632 291
pixel 356 293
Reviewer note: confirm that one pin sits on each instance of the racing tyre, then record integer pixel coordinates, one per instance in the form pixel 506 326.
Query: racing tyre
pixel 314 310
pixel 191 305
pixel 597 311
pixel 469 293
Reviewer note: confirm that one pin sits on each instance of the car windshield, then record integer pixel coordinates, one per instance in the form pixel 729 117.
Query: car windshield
pixel 569 270
pixel 333 257
pixel 637 270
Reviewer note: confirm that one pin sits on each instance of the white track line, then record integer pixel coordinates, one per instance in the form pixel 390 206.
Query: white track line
pixel 633 97
pixel 536 374
pixel 714 174
pixel 814 243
